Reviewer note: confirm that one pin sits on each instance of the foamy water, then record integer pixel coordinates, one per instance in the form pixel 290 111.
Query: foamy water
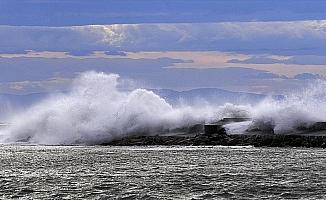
pixel 96 110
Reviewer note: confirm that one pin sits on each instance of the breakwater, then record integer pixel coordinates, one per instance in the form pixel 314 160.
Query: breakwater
pixel 270 140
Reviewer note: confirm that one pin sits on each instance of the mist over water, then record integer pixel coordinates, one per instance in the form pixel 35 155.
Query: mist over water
pixel 96 110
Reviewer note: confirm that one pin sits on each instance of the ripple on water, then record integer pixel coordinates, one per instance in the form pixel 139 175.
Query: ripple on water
pixel 50 172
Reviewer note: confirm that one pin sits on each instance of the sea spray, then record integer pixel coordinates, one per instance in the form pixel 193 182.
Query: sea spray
pixel 298 109
pixel 96 110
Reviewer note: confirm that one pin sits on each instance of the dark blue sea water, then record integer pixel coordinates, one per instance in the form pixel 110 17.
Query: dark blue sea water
pixel 157 172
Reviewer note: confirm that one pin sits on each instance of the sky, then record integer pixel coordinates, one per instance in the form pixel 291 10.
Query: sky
pixel 269 47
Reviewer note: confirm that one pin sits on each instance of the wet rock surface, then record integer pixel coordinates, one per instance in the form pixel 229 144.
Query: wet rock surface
pixel 271 140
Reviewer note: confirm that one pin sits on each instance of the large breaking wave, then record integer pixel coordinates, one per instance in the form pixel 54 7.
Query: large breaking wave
pixel 301 108
pixel 96 110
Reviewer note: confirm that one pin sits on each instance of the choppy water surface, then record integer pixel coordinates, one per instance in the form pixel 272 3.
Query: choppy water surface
pixel 38 172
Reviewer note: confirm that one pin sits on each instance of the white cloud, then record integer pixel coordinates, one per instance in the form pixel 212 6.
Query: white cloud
pixel 282 48
pixel 23 87
pixel 278 37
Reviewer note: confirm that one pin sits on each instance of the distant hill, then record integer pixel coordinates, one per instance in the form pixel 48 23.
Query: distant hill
pixel 25 100
pixel 191 97
pixel 11 103
pixel 210 95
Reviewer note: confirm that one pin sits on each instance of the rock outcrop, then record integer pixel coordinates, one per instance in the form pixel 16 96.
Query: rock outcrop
pixel 215 134
pixel 225 140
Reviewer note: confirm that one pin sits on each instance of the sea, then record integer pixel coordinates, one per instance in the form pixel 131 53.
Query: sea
pixel 161 172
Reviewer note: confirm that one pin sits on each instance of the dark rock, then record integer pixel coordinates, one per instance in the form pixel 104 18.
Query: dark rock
pixel 260 135
pixel 197 128
pixel 228 140
pixel 229 120
pixel 318 126
pixel 213 129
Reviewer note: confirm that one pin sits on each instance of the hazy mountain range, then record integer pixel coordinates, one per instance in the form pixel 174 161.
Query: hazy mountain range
pixel 210 95
pixel 191 97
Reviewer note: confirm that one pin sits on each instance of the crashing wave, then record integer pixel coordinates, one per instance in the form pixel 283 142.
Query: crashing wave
pixel 96 110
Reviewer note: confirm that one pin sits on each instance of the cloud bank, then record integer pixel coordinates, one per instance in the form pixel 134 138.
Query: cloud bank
pixel 285 38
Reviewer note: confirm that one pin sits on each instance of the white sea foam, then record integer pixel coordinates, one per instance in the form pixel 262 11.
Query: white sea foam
pixel 96 110
pixel 299 109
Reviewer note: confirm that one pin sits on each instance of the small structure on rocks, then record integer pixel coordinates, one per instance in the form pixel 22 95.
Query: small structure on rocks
pixel 218 129
pixel 215 134
pixel 212 129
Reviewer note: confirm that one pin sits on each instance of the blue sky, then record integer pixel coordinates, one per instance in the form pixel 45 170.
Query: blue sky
pixel 253 46
pixel 85 12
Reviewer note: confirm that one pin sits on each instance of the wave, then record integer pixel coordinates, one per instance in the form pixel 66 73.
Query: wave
pixel 297 110
pixel 96 110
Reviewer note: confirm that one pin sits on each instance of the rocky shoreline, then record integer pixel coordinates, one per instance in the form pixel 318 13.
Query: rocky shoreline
pixel 270 140
pixel 216 134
